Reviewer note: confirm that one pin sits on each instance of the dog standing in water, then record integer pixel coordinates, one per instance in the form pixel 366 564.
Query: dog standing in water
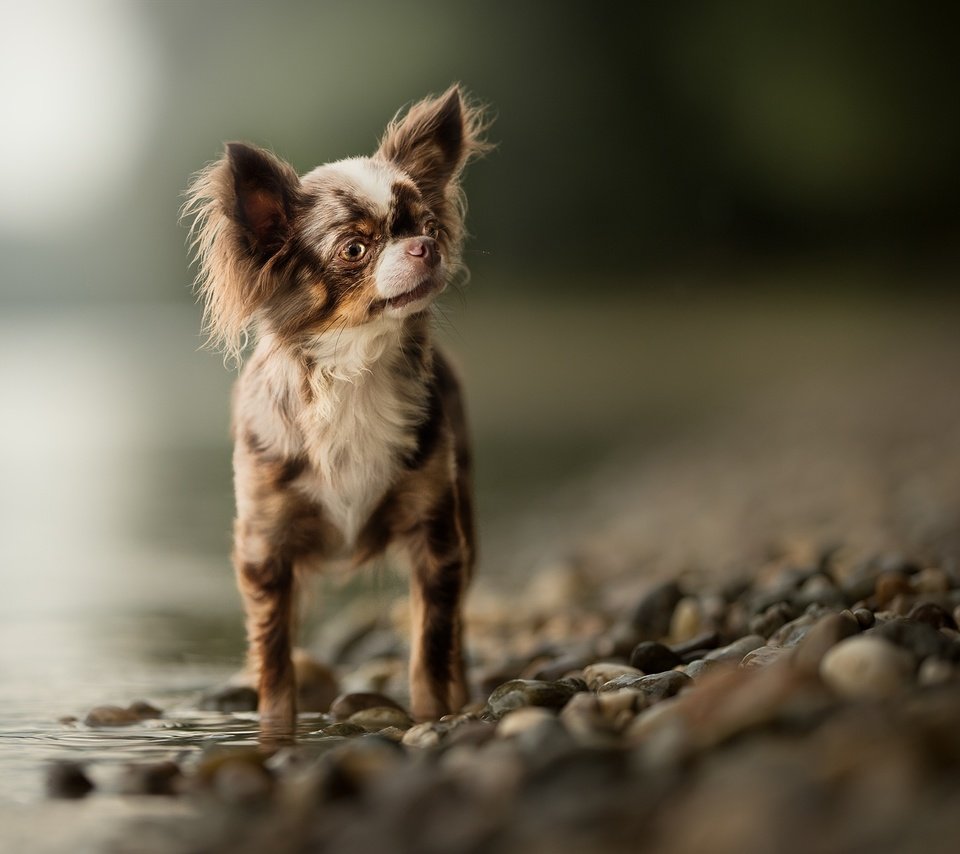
pixel 348 424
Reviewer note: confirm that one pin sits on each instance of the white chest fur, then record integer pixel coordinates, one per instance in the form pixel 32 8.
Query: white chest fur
pixel 358 425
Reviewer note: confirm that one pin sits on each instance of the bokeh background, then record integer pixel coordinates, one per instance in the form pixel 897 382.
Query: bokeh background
pixel 693 207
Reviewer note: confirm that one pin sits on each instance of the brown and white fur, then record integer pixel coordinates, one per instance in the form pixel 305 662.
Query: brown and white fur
pixel 348 425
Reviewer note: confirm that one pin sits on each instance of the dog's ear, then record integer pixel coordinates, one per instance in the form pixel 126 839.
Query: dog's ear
pixel 242 206
pixel 264 188
pixel 434 140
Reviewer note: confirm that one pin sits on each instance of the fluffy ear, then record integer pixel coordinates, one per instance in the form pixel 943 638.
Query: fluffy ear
pixel 242 207
pixel 434 140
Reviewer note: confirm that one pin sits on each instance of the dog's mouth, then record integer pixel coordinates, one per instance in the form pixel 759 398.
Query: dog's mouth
pixel 424 289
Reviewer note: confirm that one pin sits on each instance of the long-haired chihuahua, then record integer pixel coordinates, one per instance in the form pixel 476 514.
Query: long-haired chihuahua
pixel 348 425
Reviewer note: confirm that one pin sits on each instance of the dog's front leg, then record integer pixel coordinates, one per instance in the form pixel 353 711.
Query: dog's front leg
pixel 267 589
pixel 440 570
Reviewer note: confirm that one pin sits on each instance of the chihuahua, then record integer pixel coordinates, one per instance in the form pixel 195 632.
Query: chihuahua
pixel 348 425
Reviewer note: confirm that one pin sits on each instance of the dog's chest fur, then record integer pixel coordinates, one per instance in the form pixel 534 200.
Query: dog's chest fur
pixel 351 411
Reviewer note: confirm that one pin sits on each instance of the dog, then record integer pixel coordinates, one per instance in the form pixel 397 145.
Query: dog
pixel 348 424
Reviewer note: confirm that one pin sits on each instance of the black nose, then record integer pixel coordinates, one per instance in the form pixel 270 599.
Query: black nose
pixel 424 248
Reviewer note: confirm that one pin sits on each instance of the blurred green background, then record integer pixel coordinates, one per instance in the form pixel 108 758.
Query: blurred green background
pixel 689 203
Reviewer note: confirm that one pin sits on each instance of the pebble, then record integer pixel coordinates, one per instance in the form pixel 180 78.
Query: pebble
pixel 936 671
pixel 525 718
pixel 229 698
pixel 377 718
pixel 699 644
pixel 826 633
pixel 107 716
pixel 930 580
pixel 866 667
pixel 67 780
pixel 699 668
pixel 889 586
pixel 921 639
pixel 933 615
pixel 602 672
pixel 347 704
pixel 343 729
pixel 865 617
pixel 239 778
pixel 529 692
pixel 737 650
pixel 151 778
pixel 763 656
pixel 772 618
pixel 686 621
pixel 656 687
pixel 652 657
pixel 426 734
pixel 317 685
pixel 652 616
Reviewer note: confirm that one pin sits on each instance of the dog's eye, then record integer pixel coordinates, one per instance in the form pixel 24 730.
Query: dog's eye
pixel 353 251
pixel 432 229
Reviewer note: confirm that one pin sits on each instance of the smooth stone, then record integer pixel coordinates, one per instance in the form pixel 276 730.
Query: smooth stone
pixel 823 635
pixel 921 639
pixel 737 650
pixel 656 687
pixel 426 734
pixel 652 657
pixel 865 617
pixel 347 704
pixel 701 643
pixel 652 615
pixel 343 729
pixel 107 716
pixel 763 656
pixel 317 685
pixel 229 698
pixel 772 618
pixel 67 780
pixel 933 615
pixel 790 634
pixel 530 692
pixel 889 585
pixel 392 733
pixel 522 719
pixel 819 589
pixel 931 580
pixel 866 667
pixel 238 777
pixel 377 718
pixel 154 778
pixel 589 722
pixel 602 672
pixel 687 620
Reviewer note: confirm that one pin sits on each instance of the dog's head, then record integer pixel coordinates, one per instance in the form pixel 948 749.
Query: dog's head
pixel 350 242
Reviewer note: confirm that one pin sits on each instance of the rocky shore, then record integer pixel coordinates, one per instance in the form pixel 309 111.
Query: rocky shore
pixel 810 708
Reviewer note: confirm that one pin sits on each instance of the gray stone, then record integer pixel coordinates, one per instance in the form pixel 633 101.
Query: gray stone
pixel 529 692
pixel 377 718
pixel 229 698
pixel 109 716
pixel 651 618
pixel 824 634
pixel 652 657
pixel 347 704
pixel 655 687
pixel 737 650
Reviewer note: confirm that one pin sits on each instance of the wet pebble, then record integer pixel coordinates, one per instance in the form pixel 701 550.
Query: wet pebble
pixel 530 692
pixel 656 687
pixel 652 657
pixel 229 698
pixel 344 729
pixel 699 644
pixel 67 780
pixel 772 618
pixel 109 716
pixel 426 734
pixel 377 718
pixel 317 685
pixel 763 656
pixel 866 667
pixel 239 778
pixel 602 672
pixel 737 650
pixel 347 704
pixel 920 638
pixel 522 719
